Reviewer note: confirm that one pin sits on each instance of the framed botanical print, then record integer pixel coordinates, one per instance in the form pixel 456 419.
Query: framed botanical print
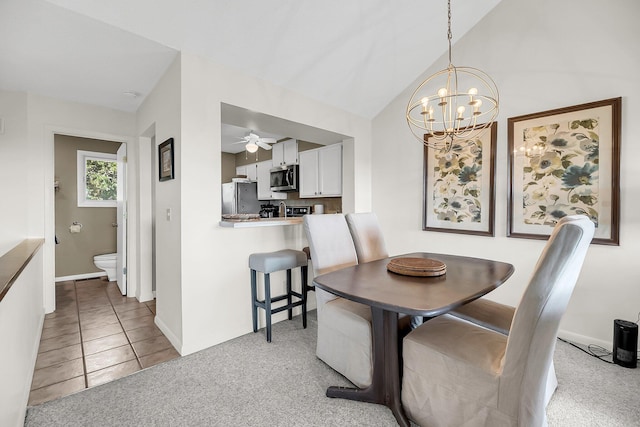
pixel 565 162
pixel 459 186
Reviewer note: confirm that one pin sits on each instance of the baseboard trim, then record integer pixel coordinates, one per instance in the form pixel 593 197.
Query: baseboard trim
pixel 174 340
pixel 583 339
pixel 81 276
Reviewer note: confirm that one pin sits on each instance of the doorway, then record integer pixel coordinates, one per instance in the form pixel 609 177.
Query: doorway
pixel 89 208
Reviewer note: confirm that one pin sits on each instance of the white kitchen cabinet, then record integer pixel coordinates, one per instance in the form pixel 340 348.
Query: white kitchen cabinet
pixel 264 182
pixel 285 153
pixel 250 171
pixel 321 172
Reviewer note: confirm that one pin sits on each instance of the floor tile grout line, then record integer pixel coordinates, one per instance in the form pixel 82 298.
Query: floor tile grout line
pixel 124 331
pixel 81 350
pixel 84 361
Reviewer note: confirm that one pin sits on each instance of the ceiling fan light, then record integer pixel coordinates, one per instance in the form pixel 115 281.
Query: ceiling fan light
pixel 251 147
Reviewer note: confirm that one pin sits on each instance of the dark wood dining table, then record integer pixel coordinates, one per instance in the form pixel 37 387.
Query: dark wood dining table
pixel 389 294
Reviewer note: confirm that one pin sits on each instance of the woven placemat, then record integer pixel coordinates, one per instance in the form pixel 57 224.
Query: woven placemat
pixel 420 267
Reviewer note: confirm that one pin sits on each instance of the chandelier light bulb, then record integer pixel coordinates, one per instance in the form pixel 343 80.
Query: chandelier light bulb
pixel 425 104
pixel 476 106
pixel 442 93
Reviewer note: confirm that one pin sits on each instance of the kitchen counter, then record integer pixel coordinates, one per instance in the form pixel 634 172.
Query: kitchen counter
pixel 262 222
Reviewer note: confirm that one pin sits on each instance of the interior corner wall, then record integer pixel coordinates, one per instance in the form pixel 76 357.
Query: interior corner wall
pixel 215 277
pixel 162 112
pixel 542 55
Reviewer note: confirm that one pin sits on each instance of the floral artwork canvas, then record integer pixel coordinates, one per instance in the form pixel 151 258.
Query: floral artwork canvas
pixel 560 173
pixel 459 186
pixel 565 162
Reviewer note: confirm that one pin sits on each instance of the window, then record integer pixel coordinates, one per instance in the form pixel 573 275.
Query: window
pixel 97 179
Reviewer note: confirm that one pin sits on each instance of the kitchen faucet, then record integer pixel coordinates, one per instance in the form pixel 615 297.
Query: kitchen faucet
pixel 285 207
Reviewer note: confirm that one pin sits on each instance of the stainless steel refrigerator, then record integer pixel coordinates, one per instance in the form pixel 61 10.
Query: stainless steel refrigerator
pixel 240 197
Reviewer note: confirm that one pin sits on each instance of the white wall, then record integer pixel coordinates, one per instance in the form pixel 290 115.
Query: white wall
pixel 212 261
pixel 14 172
pixel 21 310
pixel 21 316
pixel 160 115
pixel 542 55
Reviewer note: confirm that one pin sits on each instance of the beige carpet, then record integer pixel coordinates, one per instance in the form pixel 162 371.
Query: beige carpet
pixel 248 382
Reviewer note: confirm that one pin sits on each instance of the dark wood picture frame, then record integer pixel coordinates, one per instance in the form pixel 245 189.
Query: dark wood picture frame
pixel 453 205
pixel 565 161
pixel 166 169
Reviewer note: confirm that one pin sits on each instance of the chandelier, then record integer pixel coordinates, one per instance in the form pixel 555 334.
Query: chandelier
pixel 457 103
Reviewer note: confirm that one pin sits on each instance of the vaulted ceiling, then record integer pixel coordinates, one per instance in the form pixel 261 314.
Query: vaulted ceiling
pixel 356 55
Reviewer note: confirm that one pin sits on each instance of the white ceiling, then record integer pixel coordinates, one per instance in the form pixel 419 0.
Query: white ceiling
pixel 356 55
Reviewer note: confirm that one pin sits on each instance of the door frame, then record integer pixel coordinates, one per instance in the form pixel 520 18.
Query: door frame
pixel 49 257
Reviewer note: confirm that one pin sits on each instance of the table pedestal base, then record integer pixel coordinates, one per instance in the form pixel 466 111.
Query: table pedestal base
pixel 385 384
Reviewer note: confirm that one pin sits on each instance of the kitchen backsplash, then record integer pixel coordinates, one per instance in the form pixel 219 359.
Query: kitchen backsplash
pixel 331 204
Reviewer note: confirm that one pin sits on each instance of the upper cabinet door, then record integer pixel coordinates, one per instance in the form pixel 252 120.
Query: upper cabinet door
pixel 308 171
pixel 330 171
pixel 290 152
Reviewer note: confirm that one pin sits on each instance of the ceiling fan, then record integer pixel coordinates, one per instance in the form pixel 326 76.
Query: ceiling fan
pixel 254 141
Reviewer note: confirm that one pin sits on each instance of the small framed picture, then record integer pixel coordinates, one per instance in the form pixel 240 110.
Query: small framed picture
pixel 565 162
pixel 165 157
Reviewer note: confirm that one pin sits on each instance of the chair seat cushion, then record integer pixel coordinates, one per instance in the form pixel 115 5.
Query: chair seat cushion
pixel 268 262
pixel 451 364
pixel 486 313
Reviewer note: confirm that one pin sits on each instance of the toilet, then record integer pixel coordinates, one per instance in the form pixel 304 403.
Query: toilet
pixel 107 262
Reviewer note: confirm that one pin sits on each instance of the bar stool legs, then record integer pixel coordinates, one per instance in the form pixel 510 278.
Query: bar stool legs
pixel 254 298
pixel 277 261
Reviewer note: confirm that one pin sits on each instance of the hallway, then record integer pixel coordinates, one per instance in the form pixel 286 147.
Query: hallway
pixel 95 335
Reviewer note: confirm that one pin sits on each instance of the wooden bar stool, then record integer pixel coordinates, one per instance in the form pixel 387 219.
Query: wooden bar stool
pixel 267 263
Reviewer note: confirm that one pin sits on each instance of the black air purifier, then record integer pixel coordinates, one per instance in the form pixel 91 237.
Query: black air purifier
pixel 625 343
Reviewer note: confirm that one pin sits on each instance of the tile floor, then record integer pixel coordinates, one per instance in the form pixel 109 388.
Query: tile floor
pixel 95 335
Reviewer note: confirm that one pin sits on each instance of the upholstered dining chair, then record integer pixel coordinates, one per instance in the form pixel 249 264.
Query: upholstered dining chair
pixel 344 327
pixel 370 246
pixel 367 236
pixel 458 373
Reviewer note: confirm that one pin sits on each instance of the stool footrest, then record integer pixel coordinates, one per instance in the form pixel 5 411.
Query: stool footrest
pixel 286 307
pixel 261 303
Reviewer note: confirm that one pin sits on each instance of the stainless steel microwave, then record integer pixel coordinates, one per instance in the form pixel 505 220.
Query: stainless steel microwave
pixel 284 178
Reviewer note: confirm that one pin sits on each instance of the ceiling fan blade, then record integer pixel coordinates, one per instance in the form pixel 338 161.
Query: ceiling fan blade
pixel 268 140
pixel 263 145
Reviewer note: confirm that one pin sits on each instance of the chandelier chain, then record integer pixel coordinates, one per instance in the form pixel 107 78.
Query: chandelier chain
pixel 449 34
